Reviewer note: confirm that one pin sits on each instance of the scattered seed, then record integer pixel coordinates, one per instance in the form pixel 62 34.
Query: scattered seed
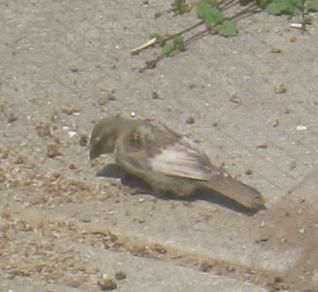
pixel 73 69
pixel 230 268
pixel 19 160
pixel 54 117
pixel 280 89
pixel 4 154
pixel 53 151
pixel 261 146
pixel 235 99
pixel 102 100
pixel 120 275
pixel 276 50
pixel 72 166
pixel 205 266
pixel 159 248
pixel 157 15
pixel 111 95
pixel 293 165
pixel 192 85
pixel 140 220
pixel 278 279
pixel 262 240
pixel 71 110
pixel 43 129
pixel 276 123
pixel 2 176
pixel 12 117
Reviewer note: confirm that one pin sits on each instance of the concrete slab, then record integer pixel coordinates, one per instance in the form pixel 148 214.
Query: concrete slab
pixel 58 55
pixel 202 232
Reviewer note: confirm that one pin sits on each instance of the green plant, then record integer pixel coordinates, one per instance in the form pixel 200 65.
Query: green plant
pixel 175 46
pixel 292 7
pixel 180 6
pixel 215 18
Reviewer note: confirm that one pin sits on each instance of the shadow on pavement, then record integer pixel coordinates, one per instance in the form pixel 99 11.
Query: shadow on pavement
pixel 139 186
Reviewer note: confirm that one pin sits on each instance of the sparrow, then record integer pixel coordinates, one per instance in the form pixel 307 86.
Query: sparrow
pixel 168 162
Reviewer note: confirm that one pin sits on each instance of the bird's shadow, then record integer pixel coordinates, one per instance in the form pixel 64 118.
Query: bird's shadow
pixel 114 171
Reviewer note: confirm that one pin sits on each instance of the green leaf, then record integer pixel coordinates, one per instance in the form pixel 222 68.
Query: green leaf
pixel 175 46
pixel 227 29
pixel 179 43
pixel 263 3
pixel 278 7
pixel 210 14
pixel 213 3
pixel 168 48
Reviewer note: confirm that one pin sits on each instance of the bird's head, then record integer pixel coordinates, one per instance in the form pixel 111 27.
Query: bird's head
pixel 104 136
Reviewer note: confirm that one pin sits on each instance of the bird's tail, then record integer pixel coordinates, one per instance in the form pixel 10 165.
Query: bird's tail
pixel 237 191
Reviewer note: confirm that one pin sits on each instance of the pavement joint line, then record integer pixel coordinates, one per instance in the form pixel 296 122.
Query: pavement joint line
pixel 137 245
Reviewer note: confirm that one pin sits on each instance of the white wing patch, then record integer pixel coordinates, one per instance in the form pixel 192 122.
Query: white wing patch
pixel 183 160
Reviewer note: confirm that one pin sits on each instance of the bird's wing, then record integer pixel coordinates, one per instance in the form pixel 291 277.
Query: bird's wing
pixel 183 159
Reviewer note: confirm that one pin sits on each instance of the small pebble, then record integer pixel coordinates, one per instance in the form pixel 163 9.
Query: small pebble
pixel 190 120
pixel 155 95
pixel 107 284
pixel 301 128
pixel 248 172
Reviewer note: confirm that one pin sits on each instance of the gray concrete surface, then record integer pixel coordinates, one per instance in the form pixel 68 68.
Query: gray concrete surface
pixel 141 274
pixel 65 64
